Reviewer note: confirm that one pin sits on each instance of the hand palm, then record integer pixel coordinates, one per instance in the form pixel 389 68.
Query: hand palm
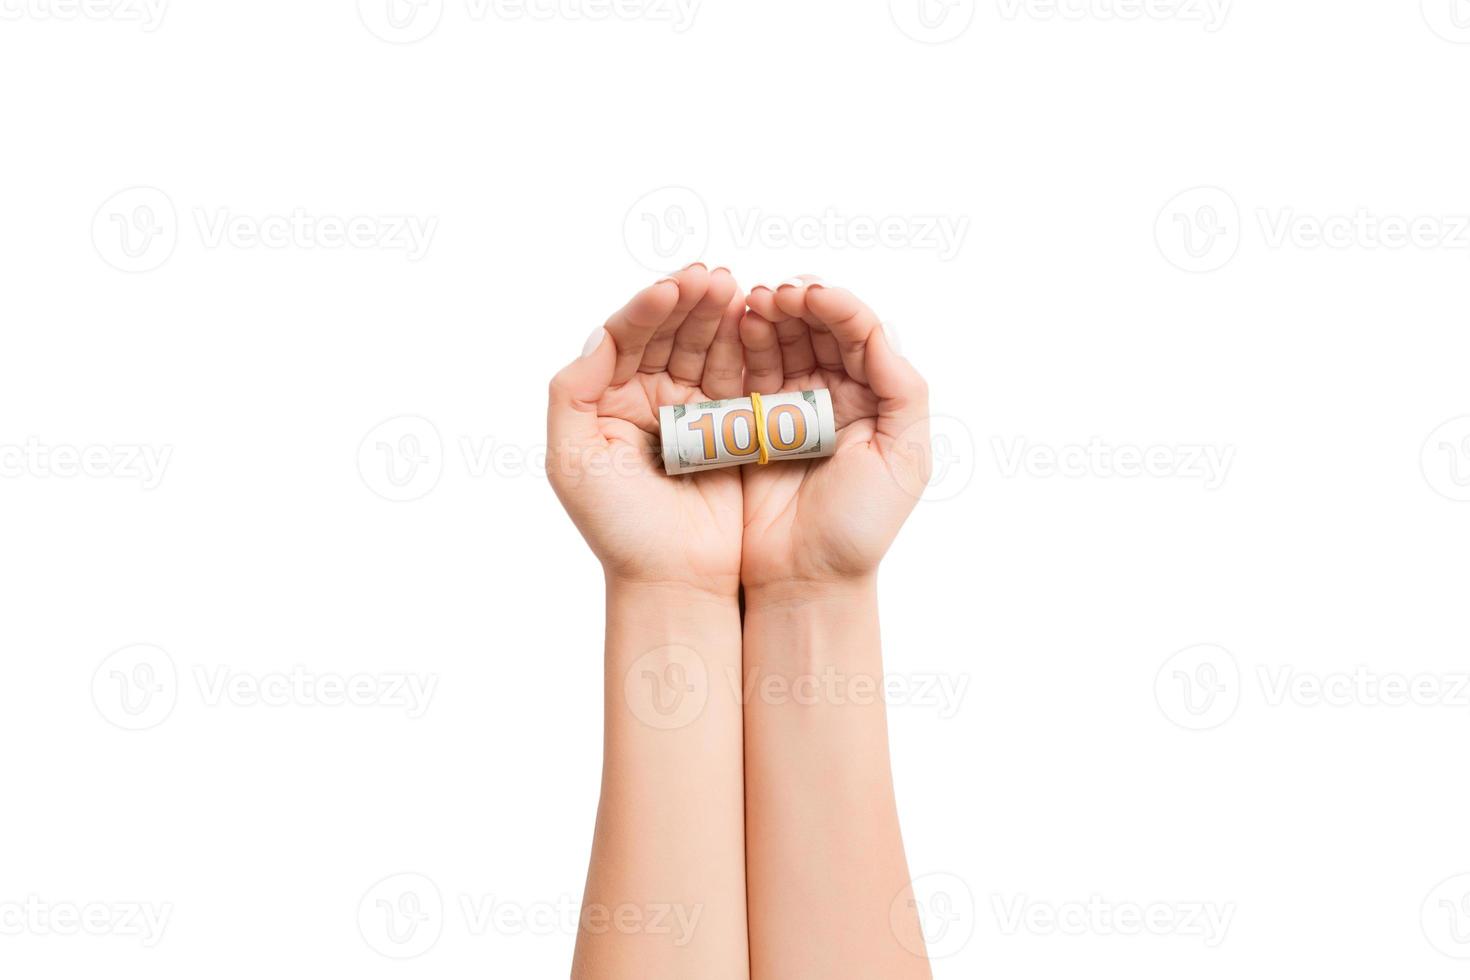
pixel 676 341
pixel 810 520
pixel 817 520
pixel 687 525
pixel 684 340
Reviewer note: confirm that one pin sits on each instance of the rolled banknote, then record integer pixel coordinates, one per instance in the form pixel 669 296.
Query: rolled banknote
pixel 713 435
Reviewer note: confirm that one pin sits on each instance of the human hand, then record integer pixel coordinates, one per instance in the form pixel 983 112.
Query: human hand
pixel 829 521
pixel 675 342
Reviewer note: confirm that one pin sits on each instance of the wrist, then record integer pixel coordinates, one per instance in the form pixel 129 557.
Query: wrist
pixel 809 628
pixel 716 590
pixel 645 617
pixel 814 594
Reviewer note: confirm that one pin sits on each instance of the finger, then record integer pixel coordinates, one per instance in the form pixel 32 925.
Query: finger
pixel 794 329
pixel 692 340
pixel 851 322
pixel 903 414
pixel 824 347
pixel 762 300
pixel 790 297
pixel 762 354
pixel 633 325
pixel 903 395
pixel 724 368
pixel 571 419
pixel 693 285
pixel 797 358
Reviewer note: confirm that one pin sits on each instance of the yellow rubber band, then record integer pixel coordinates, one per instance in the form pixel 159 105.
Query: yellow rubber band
pixel 761 438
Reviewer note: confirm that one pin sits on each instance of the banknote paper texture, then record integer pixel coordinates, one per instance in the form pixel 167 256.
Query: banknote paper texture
pixel 713 435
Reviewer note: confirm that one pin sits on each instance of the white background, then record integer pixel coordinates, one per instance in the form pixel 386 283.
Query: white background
pixel 1087 300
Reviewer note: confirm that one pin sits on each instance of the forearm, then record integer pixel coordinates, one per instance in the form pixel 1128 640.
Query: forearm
pixel 826 874
pixel 665 896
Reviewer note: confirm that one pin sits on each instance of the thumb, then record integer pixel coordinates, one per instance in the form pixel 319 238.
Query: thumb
pixel 903 394
pixel 903 411
pixel 571 415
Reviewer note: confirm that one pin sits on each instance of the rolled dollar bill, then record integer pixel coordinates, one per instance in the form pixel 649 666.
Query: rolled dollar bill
pixel 713 435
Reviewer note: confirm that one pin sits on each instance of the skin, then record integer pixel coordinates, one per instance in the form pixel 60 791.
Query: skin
pixel 678 341
pixel 792 802
pixel 670 840
pixel 832 520
pixel 827 880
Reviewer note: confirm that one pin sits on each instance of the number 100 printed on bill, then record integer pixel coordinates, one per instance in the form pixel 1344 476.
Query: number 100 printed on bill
pixel 752 429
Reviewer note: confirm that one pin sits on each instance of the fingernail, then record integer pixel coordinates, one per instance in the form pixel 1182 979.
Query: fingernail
pixel 819 284
pixel 761 285
pixel 693 264
pixel 594 342
pixel 719 268
pixel 797 283
pixel 671 277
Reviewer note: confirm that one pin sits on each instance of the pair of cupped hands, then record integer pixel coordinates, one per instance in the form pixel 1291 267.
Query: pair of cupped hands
pixel 795 525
